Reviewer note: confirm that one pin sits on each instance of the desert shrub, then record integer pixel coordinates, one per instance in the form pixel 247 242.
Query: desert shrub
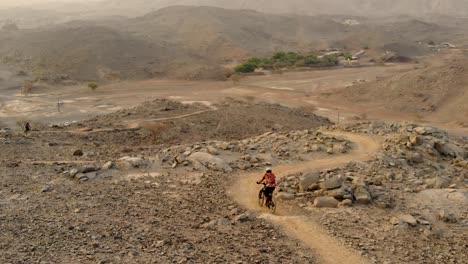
pixel 246 68
pixel 27 88
pixel 329 60
pixel 311 60
pixel 348 56
pixel 93 86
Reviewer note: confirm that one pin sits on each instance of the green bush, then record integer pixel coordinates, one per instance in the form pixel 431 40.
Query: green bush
pixel 311 60
pixel 246 68
pixel 330 60
pixel 348 57
pixel 93 86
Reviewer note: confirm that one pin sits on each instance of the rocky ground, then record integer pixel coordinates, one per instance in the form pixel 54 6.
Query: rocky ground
pixel 98 191
pixel 407 205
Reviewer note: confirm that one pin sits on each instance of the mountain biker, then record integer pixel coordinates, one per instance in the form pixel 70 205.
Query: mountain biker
pixel 27 127
pixel 270 180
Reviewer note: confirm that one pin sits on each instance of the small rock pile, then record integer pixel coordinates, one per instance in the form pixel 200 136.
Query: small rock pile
pixel 265 150
pixel 325 189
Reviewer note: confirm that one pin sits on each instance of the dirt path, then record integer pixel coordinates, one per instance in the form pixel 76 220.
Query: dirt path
pixel 326 248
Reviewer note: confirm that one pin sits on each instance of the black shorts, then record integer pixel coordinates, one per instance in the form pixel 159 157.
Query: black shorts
pixel 269 191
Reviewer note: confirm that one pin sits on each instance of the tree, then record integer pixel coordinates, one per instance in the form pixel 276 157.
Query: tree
pixel 93 86
pixel 279 56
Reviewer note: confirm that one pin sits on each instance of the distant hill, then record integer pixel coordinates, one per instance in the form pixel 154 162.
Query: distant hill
pixel 440 89
pixel 312 7
pixel 193 42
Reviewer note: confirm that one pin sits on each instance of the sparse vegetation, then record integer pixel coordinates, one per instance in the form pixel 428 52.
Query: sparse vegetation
pixel 284 60
pixel 27 88
pixel 93 86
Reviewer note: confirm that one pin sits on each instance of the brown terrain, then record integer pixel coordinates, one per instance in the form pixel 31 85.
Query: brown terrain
pixel 158 164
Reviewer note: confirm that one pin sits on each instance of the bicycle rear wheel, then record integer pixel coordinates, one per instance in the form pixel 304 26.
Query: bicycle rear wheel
pixel 272 207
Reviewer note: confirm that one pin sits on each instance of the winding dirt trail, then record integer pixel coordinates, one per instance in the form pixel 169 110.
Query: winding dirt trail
pixel 326 248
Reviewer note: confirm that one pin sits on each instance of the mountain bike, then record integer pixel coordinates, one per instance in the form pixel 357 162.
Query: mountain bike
pixel 262 200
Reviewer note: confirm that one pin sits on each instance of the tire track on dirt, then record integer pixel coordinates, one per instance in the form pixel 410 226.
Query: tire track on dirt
pixel 327 249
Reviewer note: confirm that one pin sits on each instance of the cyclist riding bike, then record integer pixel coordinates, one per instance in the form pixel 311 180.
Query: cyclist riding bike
pixel 269 179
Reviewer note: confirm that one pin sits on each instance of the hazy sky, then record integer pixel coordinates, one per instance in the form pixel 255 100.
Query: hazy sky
pixel 9 3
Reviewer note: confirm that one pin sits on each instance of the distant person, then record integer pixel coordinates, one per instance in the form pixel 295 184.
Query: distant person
pixel 27 127
pixel 269 179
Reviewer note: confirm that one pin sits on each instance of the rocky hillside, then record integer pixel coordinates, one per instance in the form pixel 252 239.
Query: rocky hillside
pixel 194 42
pixel 440 88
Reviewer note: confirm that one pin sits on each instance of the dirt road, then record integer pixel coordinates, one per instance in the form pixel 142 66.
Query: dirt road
pixel 326 248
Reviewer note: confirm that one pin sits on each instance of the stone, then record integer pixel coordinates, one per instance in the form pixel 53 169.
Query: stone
pixel 326 202
pixel 446 216
pixel 91 175
pixel 136 162
pixel 409 219
pixel 330 150
pixel 315 148
pixel 88 168
pixel 181 158
pixel 346 203
pixel 212 150
pixel 73 172
pixel 415 140
pixel 78 152
pixel 243 217
pixel 47 188
pixel 331 183
pixel 285 196
pixel 395 220
pixel 424 130
pixel 337 193
pixel 309 179
pixel 339 148
pixel 415 157
pixel 450 150
pixel 362 195
pixel 108 165
pixel 206 160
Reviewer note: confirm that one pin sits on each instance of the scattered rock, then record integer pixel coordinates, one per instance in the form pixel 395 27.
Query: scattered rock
pixel 78 152
pixel 346 203
pixel 88 168
pixel 284 196
pixel 309 180
pixel 409 219
pixel 362 195
pixel 243 217
pixel 446 216
pixel 108 165
pixel 328 202
pixel 331 183
pixel 206 160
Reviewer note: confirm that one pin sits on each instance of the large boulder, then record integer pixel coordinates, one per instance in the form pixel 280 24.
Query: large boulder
pixel 328 202
pixel 331 183
pixel 449 150
pixel 136 162
pixel 206 160
pixel 285 196
pixel 309 180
